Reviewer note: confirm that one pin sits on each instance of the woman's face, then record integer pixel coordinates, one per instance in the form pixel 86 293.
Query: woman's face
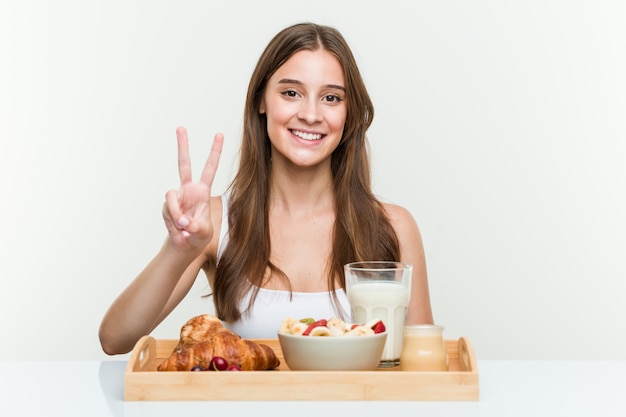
pixel 305 106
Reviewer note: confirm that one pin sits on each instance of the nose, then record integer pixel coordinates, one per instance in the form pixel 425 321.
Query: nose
pixel 310 111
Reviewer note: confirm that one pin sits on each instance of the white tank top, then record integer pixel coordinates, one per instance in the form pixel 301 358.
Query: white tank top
pixel 272 306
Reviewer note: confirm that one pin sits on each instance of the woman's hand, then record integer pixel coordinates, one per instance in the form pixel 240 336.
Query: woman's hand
pixel 186 211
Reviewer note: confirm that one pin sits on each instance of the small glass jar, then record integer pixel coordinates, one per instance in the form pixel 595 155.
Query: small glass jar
pixel 423 349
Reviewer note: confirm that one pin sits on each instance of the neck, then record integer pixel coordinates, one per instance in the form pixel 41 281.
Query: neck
pixel 301 190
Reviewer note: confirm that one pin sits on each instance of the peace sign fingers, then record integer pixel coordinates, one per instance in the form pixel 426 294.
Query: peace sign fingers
pixel 208 173
pixel 184 162
pixel 187 210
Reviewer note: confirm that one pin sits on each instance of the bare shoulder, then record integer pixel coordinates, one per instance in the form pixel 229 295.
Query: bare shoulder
pixel 412 252
pixel 216 208
pixel 399 216
pixel 405 226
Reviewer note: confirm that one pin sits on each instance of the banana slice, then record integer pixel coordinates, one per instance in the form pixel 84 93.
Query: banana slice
pixel 360 331
pixel 320 331
pixel 372 323
pixel 298 328
pixel 335 331
pixel 336 326
pixel 286 324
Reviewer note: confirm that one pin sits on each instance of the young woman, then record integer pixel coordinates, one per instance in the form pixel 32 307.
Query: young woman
pixel 299 208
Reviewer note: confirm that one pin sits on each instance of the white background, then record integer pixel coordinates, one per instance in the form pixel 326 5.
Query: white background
pixel 501 125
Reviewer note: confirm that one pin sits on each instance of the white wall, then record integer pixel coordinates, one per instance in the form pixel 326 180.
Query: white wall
pixel 501 125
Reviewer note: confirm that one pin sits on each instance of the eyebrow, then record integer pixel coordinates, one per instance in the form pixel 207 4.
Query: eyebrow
pixel 291 81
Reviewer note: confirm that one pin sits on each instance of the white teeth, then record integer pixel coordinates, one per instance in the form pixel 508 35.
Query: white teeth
pixel 307 136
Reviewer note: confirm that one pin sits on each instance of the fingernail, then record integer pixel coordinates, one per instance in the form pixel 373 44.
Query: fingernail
pixel 183 222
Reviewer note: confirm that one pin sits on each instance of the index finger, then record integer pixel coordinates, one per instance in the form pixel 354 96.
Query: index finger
pixel 208 173
pixel 184 163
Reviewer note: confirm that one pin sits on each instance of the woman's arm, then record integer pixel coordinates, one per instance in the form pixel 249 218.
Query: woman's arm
pixel 191 216
pixel 150 297
pixel 412 252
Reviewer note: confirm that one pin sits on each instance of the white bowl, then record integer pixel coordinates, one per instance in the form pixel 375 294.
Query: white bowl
pixel 332 353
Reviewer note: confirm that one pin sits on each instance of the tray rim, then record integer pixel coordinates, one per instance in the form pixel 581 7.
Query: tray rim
pixel 141 382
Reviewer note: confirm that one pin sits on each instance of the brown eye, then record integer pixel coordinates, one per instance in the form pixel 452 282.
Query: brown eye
pixel 332 98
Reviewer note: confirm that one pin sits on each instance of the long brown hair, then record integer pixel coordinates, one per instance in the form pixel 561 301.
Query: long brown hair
pixel 361 232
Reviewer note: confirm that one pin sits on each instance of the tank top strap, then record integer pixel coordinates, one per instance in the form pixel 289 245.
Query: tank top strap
pixel 223 240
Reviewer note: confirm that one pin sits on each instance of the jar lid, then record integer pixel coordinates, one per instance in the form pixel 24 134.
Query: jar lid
pixel 423 328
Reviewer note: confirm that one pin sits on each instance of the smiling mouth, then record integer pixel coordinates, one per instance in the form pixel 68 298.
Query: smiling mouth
pixel 307 136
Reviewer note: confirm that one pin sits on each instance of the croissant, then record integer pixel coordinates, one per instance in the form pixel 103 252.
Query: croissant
pixel 204 337
pixel 199 329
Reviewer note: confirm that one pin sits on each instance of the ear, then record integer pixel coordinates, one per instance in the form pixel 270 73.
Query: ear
pixel 262 107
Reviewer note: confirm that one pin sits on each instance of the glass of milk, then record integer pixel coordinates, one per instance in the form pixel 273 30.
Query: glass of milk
pixel 380 290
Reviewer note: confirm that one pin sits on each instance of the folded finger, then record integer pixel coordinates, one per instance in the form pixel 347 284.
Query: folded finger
pixel 173 211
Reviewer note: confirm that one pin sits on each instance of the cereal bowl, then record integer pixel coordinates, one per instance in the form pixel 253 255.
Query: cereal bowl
pixel 342 353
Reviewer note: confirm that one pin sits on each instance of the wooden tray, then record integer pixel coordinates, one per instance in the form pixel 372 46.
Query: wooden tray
pixel 142 382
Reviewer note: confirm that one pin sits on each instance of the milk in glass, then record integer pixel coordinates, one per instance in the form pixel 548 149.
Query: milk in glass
pixel 386 301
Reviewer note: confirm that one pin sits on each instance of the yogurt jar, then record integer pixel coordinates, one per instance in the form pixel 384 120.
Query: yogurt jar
pixel 423 349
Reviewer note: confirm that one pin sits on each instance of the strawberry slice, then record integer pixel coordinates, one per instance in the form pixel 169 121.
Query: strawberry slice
pixel 313 325
pixel 379 327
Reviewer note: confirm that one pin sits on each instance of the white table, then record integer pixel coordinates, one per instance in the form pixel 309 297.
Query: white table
pixel 507 388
